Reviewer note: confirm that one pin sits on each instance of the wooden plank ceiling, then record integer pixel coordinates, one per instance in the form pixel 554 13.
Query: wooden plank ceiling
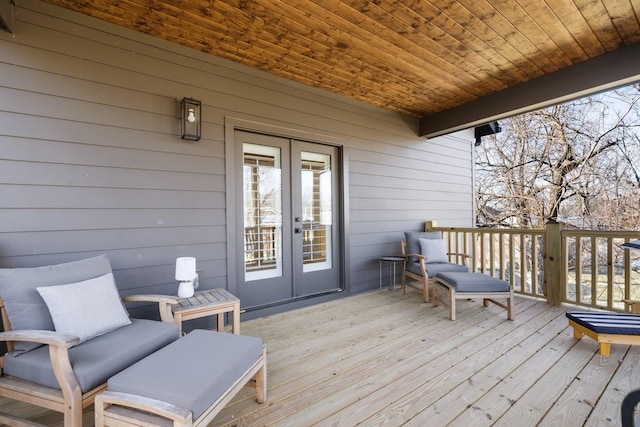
pixel 416 57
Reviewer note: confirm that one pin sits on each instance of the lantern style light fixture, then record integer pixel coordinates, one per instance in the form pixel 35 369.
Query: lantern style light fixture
pixel 187 275
pixel 190 119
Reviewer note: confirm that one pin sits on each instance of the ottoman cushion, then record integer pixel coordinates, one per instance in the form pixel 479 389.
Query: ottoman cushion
pixel 474 282
pixel 193 371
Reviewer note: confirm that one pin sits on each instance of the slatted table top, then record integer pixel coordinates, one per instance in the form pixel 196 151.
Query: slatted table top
pixel 205 298
pixel 208 303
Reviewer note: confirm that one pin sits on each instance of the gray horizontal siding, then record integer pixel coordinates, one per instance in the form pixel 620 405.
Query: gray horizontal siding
pixel 24 220
pixel 90 160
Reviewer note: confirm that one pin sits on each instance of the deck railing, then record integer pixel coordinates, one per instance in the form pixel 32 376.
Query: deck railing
pixel 581 267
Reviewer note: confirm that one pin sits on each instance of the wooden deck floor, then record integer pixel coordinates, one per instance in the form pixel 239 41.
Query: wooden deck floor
pixel 374 359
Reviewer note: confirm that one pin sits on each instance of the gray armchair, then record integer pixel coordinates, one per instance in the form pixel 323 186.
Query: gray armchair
pixel 424 260
pixel 48 366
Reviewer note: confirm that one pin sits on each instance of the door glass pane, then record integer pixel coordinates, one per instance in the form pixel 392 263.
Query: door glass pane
pixel 317 211
pixel 262 189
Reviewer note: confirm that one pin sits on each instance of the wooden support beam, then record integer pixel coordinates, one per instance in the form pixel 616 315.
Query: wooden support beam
pixel 6 15
pixel 604 72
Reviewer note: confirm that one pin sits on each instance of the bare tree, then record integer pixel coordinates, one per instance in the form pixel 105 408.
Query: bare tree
pixel 577 161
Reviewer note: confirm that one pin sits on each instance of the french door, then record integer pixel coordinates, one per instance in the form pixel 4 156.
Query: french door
pixel 290 234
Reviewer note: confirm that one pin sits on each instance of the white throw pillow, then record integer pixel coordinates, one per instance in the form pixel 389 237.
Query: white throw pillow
pixel 86 309
pixel 434 250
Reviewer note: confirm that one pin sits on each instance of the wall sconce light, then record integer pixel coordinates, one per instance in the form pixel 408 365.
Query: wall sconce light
pixel 190 119
pixel 186 274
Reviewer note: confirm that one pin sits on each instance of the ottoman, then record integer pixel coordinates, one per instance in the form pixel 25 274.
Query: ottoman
pixel 472 285
pixel 185 383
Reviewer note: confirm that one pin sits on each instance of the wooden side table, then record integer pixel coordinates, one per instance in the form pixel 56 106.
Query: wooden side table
pixel 207 303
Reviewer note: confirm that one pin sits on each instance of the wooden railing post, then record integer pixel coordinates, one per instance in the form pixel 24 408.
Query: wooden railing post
pixel 429 225
pixel 553 266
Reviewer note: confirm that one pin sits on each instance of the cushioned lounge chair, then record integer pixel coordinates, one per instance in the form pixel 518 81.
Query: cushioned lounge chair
pixel 605 328
pixel 61 352
pixel 427 258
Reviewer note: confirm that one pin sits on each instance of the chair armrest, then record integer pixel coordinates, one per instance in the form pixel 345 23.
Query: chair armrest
pixel 51 338
pixel 164 303
pixel 165 299
pixel 59 344
pixel 464 257
pixel 421 261
pixel 458 254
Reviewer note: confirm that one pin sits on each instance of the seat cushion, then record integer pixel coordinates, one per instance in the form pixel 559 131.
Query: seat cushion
pixel 607 323
pixel 96 360
pixel 474 282
pixel 24 306
pixel 192 372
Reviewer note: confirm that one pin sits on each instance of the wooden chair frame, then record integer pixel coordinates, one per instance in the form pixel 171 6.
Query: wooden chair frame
pixel 69 400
